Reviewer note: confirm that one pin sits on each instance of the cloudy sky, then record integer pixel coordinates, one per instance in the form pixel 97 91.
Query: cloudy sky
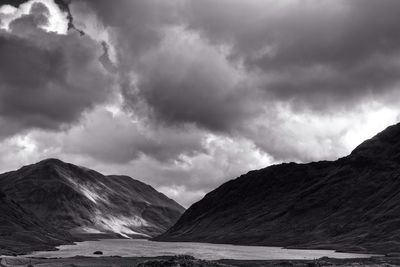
pixel 187 94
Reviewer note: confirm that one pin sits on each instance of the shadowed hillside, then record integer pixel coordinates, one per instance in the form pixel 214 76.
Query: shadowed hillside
pixel 22 231
pixel 352 203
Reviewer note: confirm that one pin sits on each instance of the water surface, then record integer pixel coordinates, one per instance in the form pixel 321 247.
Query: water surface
pixel 146 248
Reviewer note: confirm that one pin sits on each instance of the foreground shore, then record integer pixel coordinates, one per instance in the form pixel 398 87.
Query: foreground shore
pixel 190 261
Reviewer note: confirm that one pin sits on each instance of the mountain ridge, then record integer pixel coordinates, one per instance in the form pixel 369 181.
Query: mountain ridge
pixel 348 204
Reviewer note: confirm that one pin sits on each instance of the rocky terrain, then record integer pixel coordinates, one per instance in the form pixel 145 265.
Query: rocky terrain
pixel 350 204
pixel 53 202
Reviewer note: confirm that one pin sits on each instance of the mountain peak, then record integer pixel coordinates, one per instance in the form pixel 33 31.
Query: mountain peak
pixel 52 161
pixel 384 145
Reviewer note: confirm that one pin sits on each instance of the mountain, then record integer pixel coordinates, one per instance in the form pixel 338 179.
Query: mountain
pixel 83 202
pixel 352 203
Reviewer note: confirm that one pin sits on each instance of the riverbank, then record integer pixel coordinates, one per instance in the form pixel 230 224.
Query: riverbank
pixel 190 261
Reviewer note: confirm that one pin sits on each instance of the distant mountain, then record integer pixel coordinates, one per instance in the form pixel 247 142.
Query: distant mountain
pixel 81 202
pixel 352 203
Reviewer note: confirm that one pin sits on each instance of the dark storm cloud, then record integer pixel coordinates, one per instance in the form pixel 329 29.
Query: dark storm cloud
pixel 46 79
pixel 193 99
pixel 14 3
pixel 180 78
pixel 139 24
pixel 320 54
pixel 186 80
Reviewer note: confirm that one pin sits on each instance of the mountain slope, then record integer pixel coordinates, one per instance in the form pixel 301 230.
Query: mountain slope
pixel 80 200
pixel 21 231
pixel 352 203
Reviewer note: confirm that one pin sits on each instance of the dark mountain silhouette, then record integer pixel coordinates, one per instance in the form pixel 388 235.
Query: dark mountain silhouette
pixel 75 200
pixel 352 203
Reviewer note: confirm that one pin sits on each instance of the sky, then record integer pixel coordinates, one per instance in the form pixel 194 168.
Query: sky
pixel 187 94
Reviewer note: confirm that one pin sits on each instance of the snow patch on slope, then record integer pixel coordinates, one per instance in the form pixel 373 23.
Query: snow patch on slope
pixel 121 225
pixel 91 192
pixel 93 196
pixel 90 230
